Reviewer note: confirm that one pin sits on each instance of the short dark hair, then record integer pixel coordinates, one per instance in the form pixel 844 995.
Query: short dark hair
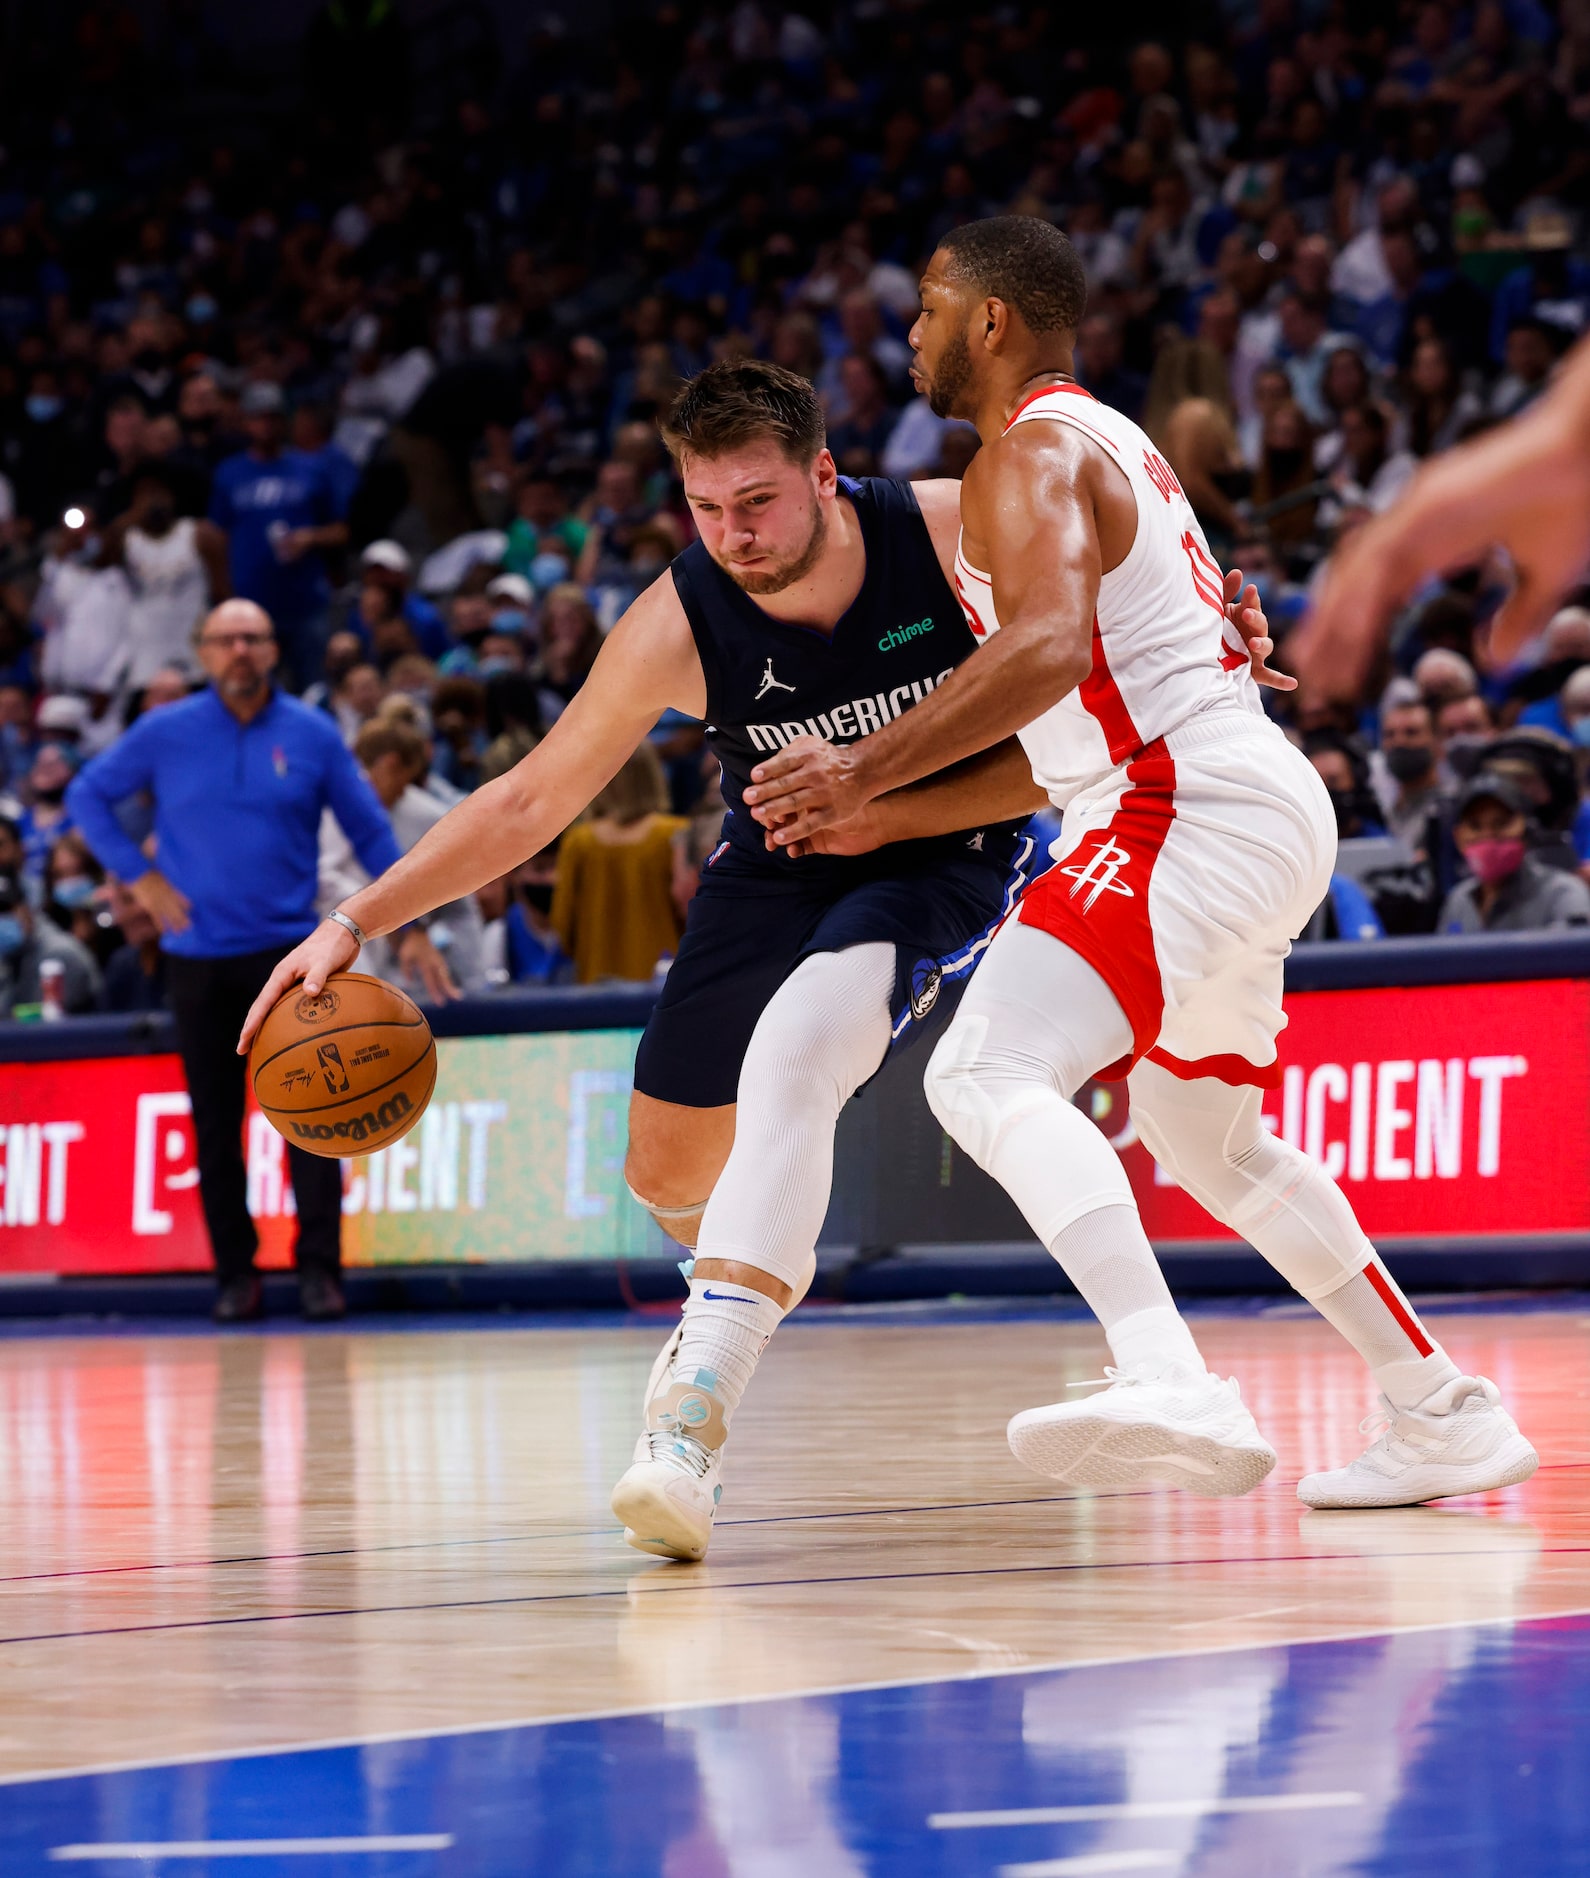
pixel 739 401
pixel 1027 263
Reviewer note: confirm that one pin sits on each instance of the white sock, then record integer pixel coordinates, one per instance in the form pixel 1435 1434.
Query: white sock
pixel 1378 1321
pixel 1106 1255
pixel 726 1329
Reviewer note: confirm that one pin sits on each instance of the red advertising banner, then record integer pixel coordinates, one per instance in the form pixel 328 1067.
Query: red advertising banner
pixel 1443 1110
pixel 1457 1111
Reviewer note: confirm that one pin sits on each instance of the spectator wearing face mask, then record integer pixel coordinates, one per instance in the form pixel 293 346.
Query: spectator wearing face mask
pixel 176 571
pixel 544 529
pixel 1407 777
pixel 1465 730
pixel 27 939
pixel 46 818
pixel 534 953
pixel 1344 769
pixel 1509 889
pixel 73 892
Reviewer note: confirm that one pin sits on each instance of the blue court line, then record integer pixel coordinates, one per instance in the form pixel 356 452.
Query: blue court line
pixel 1467 1742
pixel 657 1578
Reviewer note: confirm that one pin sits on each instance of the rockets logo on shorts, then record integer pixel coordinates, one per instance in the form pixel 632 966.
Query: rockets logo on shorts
pixel 1101 873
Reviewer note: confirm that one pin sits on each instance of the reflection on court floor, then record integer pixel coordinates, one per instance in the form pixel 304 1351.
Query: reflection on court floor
pixel 351 1601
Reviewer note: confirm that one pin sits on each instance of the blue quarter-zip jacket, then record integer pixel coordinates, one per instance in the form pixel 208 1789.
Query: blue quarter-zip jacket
pixel 237 816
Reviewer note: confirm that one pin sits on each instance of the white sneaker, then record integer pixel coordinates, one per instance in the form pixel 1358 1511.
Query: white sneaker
pixel 668 1497
pixel 1461 1440
pixel 1178 1429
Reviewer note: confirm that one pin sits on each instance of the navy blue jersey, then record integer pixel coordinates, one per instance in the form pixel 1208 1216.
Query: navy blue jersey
pixel 769 682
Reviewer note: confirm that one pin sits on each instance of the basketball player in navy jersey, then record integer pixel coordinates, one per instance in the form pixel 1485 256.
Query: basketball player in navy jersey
pixel 812 605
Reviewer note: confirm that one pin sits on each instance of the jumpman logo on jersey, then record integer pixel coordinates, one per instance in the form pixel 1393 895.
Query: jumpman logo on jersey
pixel 770 683
pixel 1101 873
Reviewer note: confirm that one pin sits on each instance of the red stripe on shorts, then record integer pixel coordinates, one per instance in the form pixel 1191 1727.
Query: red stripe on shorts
pixel 1096 899
pixel 1381 1280
pixel 1234 1070
pixel 1102 700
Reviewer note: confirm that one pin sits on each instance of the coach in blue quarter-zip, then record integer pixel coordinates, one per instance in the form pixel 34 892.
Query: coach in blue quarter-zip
pixel 240 774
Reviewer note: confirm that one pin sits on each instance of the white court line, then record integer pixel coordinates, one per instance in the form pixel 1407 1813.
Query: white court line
pixel 1146 1809
pixel 256 1848
pixel 1092 1862
pixel 449 1731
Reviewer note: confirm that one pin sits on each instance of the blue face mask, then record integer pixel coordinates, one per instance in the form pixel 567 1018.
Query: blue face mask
pixel 546 570
pixel 13 937
pixel 494 667
pixel 201 309
pixel 1581 732
pixel 74 892
pixel 41 407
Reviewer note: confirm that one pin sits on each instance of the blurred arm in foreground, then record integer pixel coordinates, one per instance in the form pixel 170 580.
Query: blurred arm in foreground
pixel 1524 487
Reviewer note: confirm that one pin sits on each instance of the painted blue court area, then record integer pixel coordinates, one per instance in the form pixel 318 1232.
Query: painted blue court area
pixel 1456 1750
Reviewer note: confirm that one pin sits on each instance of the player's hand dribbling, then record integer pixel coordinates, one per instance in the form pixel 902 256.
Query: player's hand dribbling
pixel 329 948
pixel 809 786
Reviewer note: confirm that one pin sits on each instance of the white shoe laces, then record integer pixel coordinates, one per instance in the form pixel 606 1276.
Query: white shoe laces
pixel 1122 1378
pixel 677 1448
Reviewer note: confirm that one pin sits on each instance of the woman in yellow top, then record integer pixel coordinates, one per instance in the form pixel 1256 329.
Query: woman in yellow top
pixel 613 906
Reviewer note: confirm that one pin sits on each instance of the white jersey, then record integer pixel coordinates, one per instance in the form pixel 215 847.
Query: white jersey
pixel 170 595
pixel 1163 651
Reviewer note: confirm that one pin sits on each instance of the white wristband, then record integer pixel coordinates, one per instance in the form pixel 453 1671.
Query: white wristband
pixel 352 925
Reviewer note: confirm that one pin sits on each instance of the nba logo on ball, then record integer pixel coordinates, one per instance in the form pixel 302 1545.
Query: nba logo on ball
pixel 926 981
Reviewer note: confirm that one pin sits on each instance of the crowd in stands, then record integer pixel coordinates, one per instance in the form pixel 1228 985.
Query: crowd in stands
pixel 395 377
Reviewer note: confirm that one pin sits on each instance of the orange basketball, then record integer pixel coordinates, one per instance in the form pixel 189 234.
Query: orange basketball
pixel 347 1071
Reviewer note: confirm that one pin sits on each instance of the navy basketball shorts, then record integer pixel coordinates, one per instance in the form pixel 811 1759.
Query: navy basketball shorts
pixel 751 925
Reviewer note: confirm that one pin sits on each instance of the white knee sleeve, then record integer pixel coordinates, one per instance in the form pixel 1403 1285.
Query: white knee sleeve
pixel 1037 1017
pixel 824 1032
pixel 1037 1022
pixel 1211 1139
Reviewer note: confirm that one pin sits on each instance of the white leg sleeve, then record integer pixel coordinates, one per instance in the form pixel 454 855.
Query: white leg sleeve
pixel 1036 1022
pixel 1209 1138
pixel 824 1032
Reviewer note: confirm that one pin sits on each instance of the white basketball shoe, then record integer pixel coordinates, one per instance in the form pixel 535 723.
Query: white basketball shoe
pixel 668 1497
pixel 1175 1429
pixel 1461 1440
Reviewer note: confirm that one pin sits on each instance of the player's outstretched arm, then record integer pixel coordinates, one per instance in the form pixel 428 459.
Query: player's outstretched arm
pixel 1029 506
pixel 1524 487
pixel 648 664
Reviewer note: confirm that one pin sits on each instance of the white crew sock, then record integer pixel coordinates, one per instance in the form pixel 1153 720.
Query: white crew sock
pixel 726 1329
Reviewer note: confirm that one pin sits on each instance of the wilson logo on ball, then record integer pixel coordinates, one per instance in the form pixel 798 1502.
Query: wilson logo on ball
pixel 357 1128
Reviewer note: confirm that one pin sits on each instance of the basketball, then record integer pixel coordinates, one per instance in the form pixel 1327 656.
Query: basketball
pixel 346 1071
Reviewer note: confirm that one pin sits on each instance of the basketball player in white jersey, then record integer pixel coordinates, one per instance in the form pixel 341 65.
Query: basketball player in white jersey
pixel 1196 843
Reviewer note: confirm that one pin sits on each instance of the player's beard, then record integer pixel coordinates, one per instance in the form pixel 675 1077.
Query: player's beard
pixel 786 573
pixel 951 376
